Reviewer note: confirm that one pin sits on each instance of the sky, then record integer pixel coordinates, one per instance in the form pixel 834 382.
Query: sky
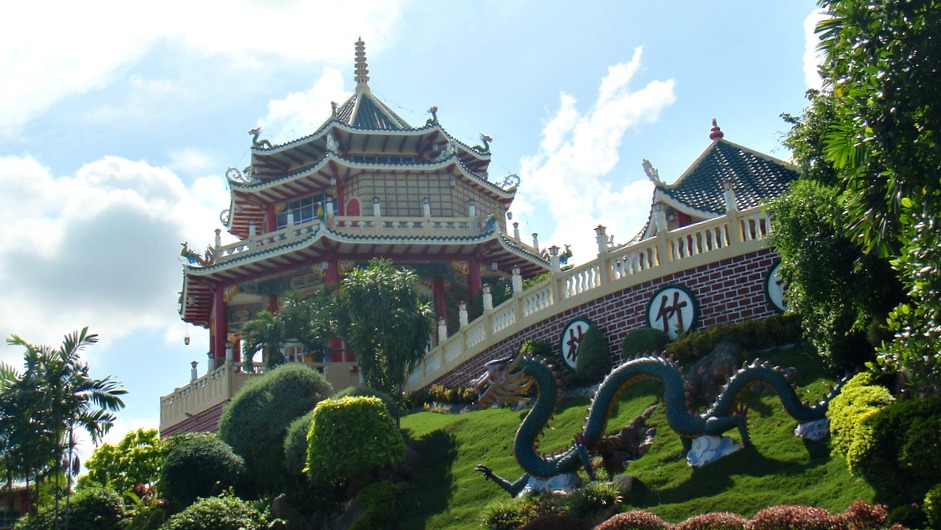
pixel 118 120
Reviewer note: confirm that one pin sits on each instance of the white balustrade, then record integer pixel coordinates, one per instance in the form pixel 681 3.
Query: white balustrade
pixel 536 299
pixel 504 317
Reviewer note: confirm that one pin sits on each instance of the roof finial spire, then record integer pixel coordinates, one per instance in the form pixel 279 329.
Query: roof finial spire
pixel 362 74
pixel 715 133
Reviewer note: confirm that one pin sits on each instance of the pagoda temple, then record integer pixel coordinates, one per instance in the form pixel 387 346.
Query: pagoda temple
pixel 365 184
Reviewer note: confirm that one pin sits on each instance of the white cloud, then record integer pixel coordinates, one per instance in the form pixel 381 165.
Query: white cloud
pixel 579 150
pixel 45 59
pixel 192 161
pixel 299 113
pixel 812 56
pixel 100 247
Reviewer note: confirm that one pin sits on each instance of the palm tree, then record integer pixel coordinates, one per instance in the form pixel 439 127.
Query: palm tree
pixel 70 399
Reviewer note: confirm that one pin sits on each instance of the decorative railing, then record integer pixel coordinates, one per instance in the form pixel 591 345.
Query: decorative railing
pixel 733 234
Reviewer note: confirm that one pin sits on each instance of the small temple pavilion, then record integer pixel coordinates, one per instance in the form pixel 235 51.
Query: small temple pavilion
pixel 725 177
pixel 364 184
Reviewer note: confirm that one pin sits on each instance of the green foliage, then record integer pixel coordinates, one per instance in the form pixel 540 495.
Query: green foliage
pixel 538 348
pixel 443 394
pixel 295 444
pixel 349 438
pixel 643 341
pixel 365 391
pixel 308 321
pixel 379 499
pixel 593 499
pixel 199 465
pixel 136 459
pixel 386 322
pixel 882 63
pixel 748 334
pixel 557 521
pixel 859 399
pixel 506 514
pixel 901 457
pixel 255 422
pixel 218 513
pixel 90 509
pixel 837 289
pixel 594 356
pixel 932 506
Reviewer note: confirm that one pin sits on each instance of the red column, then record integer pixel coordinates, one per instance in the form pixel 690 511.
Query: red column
pixel 440 300
pixel 474 277
pixel 221 331
pixel 333 273
pixel 271 219
pixel 273 304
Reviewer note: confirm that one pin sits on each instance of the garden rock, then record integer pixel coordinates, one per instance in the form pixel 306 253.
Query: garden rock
pixel 707 376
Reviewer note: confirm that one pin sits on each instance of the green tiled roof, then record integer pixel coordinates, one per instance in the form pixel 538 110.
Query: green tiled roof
pixel 756 178
pixel 364 111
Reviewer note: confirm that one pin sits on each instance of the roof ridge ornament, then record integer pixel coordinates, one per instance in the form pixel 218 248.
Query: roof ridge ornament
pixel 715 133
pixel 652 173
pixel 362 74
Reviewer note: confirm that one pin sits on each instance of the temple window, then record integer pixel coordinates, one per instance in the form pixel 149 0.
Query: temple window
pixel 304 210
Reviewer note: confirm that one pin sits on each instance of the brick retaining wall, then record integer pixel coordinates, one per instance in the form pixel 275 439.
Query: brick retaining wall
pixel 727 291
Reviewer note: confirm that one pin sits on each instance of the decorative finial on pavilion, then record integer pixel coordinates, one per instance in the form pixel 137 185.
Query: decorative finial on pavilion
pixel 362 74
pixel 715 133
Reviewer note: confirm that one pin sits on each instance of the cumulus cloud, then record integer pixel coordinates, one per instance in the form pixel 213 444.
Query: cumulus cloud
pixel 299 113
pixel 812 55
pixel 100 246
pixel 579 149
pixel 45 59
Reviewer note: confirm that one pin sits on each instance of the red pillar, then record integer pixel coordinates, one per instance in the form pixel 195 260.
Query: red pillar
pixel 220 321
pixel 474 277
pixel 440 300
pixel 274 304
pixel 332 278
pixel 271 219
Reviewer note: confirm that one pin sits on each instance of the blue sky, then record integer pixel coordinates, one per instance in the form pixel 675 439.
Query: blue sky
pixel 118 120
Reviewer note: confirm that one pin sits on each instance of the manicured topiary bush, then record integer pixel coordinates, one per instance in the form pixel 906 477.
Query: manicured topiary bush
pixel 859 399
pixel 379 500
pixel 644 341
pixel 634 520
pixel 295 444
pixel 594 357
pixel 89 509
pixel 900 459
pixel 255 422
pixel 713 521
pixel 361 390
pixel 199 465
pixel 557 521
pixel 350 438
pixel 218 513
pixel 791 518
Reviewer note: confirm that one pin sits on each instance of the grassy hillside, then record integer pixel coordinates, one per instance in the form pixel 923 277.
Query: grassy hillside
pixel 779 469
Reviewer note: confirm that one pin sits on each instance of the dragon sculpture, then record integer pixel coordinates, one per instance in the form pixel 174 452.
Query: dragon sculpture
pixel 511 378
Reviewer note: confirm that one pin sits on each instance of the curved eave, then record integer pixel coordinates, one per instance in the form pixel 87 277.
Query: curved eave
pixel 268 162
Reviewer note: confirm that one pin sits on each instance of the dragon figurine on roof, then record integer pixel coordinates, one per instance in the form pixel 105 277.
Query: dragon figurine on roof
pixel 511 378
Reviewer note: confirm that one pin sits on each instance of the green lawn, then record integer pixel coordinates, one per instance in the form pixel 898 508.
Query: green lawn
pixel 779 469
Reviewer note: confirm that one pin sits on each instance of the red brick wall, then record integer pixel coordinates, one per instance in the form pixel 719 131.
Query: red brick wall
pixel 205 421
pixel 727 291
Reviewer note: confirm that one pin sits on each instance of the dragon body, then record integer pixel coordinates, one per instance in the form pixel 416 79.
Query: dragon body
pixel 724 414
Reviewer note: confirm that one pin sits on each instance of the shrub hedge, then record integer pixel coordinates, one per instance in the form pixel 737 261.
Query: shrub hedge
pixel 379 500
pixel 859 399
pixel 90 509
pixel 643 341
pixel 594 357
pixel 749 334
pixel 218 513
pixel 199 465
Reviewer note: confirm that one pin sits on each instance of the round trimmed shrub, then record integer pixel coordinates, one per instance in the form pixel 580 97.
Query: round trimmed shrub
pixel 90 509
pixel 199 465
pixel 859 399
pixel 295 444
pixel 349 438
pixel 634 520
pixel 932 506
pixel 362 390
pixel 644 341
pixel 713 521
pixel 255 422
pixel 786 517
pixel 594 357
pixel 217 513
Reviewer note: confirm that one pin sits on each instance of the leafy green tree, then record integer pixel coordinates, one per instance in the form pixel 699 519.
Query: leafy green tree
pixel 63 399
pixel 883 67
pixel 386 322
pixel 308 321
pixel 594 357
pixel 255 422
pixel 133 461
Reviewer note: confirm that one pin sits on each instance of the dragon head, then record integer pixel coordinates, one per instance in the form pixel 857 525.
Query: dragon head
pixel 503 382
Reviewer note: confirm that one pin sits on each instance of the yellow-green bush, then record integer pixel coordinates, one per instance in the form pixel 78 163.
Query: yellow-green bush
pixel 349 438
pixel 859 399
